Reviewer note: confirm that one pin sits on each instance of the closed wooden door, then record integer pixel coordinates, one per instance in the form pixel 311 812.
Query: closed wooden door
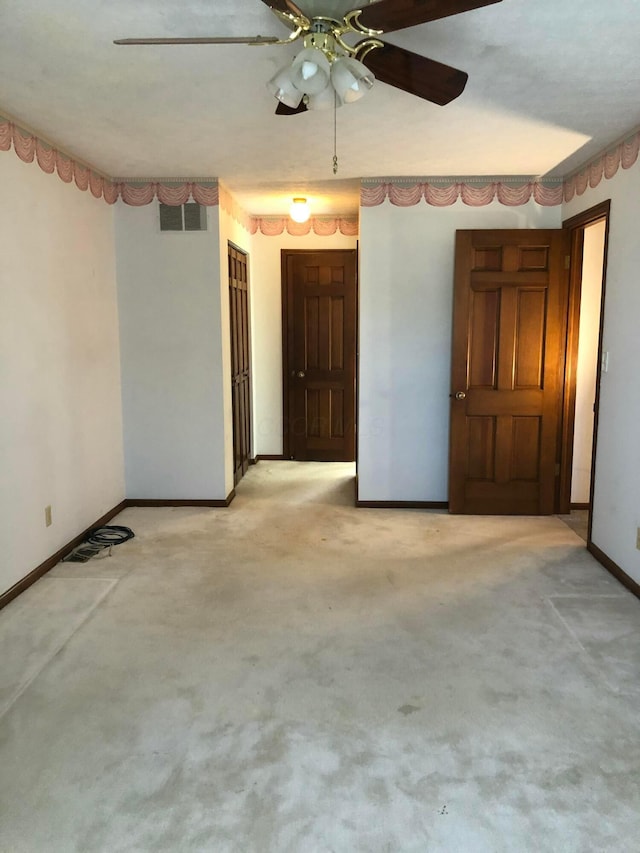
pixel 509 326
pixel 319 321
pixel 240 361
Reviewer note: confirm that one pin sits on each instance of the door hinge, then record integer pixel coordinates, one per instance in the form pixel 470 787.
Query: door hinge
pixel 557 469
pixel 567 262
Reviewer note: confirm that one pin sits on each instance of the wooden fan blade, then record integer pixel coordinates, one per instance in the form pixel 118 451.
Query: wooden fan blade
pixel 295 10
pixel 284 110
pixel 289 13
pixel 389 15
pixel 205 40
pixel 416 74
pixel 280 5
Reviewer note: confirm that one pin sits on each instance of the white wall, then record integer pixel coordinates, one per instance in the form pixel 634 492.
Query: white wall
pixel 172 357
pixel 61 424
pixel 406 287
pixel 616 508
pixel 589 329
pixel 174 319
pixel 266 331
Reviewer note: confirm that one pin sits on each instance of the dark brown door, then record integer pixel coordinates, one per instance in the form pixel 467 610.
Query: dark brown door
pixel 319 324
pixel 240 361
pixel 510 302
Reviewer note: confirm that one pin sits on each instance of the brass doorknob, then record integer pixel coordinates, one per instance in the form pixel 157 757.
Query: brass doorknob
pixel 460 395
pixel 301 374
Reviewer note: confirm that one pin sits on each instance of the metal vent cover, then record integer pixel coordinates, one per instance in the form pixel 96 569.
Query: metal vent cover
pixel 187 217
pixel 195 217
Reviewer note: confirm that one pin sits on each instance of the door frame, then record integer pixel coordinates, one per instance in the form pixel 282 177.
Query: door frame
pixel 287 342
pixel 576 226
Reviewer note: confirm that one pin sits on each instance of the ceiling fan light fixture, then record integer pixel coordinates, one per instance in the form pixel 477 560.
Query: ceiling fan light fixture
pixel 325 100
pixel 299 210
pixel 310 71
pixel 281 87
pixel 351 79
pixel 328 55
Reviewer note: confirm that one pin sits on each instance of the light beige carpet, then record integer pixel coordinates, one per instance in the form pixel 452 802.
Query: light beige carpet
pixel 294 674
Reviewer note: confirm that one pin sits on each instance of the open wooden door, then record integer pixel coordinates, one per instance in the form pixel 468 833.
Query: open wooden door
pixel 319 326
pixel 509 327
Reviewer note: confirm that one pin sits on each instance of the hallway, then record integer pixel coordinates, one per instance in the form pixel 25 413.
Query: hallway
pixel 295 675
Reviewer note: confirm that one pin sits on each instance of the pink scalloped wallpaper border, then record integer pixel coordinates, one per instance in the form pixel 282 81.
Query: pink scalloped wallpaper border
pixel 137 193
pixel 322 226
pixel 29 147
pixel 605 165
pixel 274 226
pixel 509 192
pixel 444 195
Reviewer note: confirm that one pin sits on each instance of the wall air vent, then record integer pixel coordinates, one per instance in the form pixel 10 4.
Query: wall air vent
pixel 187 217
pixel 195 217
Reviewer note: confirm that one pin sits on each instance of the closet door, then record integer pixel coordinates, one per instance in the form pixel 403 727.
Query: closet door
pixel 240 360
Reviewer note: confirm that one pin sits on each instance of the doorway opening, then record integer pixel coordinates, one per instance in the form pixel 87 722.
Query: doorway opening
pixel 584 363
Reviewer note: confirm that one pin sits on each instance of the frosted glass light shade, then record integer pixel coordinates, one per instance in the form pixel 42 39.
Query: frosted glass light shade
pixel 299 210
pixel 282 87
pixel 310 71
pixel 323 100
pixel 351 79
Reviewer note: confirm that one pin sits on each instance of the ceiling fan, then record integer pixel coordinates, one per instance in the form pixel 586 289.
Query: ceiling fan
pixel 330 72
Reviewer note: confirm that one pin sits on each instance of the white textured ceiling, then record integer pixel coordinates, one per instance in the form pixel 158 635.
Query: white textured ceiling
pixel 551 82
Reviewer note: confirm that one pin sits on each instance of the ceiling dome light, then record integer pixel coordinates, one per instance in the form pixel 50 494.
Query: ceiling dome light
pixel 351 79
pixel 299 210
pixel 310 71
pixel 282 87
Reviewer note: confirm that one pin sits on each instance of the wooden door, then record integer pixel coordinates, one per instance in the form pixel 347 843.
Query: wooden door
pixel 509 325
pixel 319 327
pixel 240 361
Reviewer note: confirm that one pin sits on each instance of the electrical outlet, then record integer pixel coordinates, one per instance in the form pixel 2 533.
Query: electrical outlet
pixel 48 520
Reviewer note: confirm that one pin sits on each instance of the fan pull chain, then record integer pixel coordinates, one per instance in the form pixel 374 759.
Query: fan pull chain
pixel 335 133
